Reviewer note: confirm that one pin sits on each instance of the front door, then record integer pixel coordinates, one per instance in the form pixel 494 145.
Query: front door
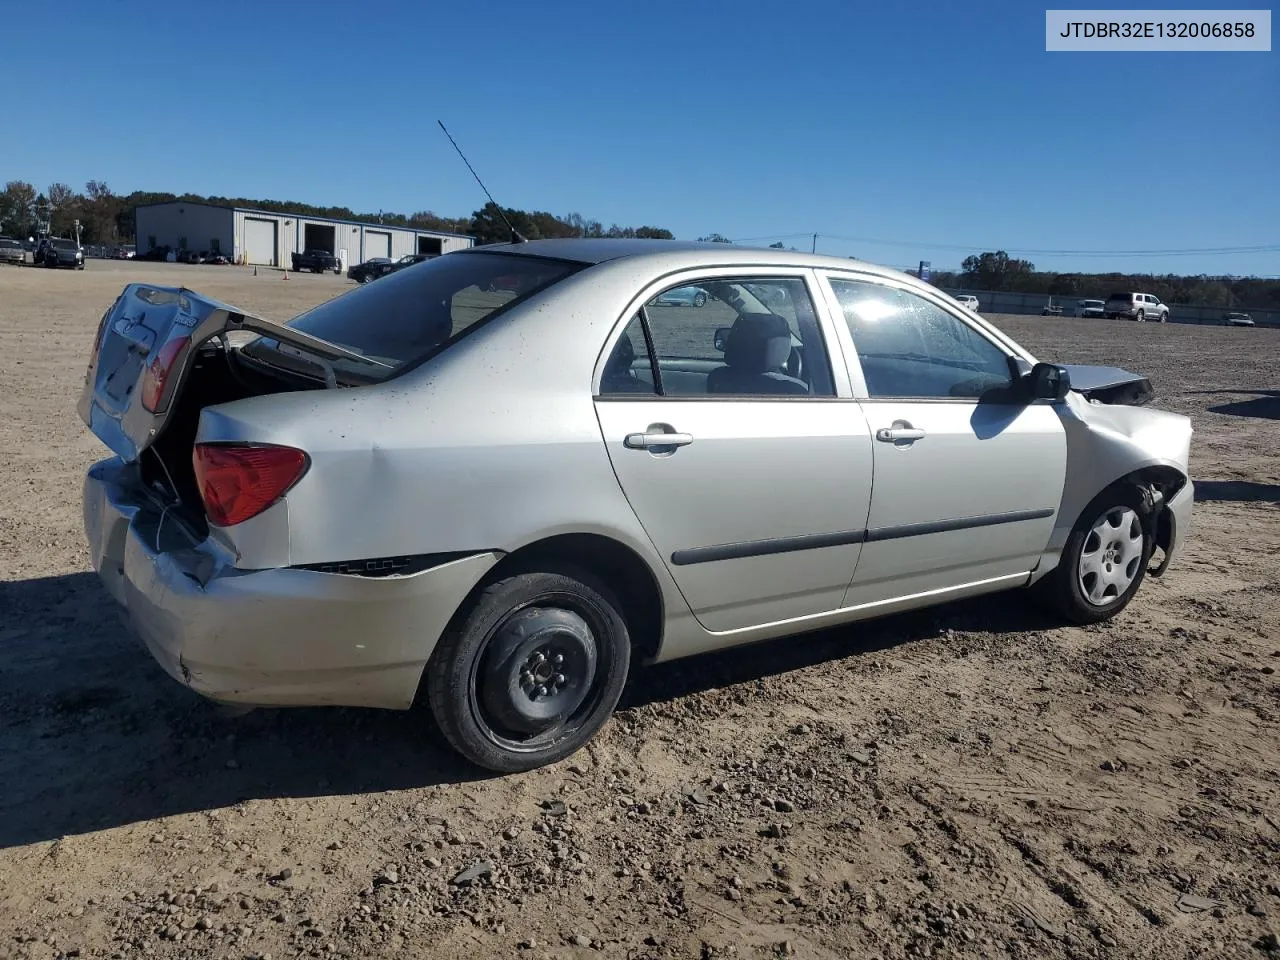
pixel 968 480
pixel 750 476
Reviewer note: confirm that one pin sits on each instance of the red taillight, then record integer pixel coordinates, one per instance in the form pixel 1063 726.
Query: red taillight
pixel 240 481
pixel 158 371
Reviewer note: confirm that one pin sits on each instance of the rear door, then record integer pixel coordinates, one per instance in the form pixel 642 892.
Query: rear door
pixel 967 480
pixel 758 501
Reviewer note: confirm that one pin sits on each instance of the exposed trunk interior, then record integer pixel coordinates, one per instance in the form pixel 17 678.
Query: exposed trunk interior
pixel 216 376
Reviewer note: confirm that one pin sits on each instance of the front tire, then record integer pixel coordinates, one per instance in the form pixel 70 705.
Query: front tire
pixel 1104 561
pixel 530 670
pixel 699 299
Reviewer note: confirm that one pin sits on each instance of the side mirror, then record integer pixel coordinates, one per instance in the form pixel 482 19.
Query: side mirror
pixel 721 338
pixel 1048 381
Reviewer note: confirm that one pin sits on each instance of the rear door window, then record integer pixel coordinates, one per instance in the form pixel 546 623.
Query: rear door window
pixel 730 337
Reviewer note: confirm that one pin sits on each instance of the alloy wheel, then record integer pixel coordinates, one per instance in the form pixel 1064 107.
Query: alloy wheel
pixel 1111 556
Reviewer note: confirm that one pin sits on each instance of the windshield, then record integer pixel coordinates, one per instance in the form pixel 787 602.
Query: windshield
pixel 408 315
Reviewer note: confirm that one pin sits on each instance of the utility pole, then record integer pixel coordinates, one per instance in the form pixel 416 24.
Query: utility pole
pixel 815 244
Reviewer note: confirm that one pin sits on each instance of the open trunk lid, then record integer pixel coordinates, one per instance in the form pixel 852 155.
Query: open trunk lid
pixel 146 343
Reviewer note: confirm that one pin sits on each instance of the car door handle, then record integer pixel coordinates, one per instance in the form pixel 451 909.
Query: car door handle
pixel 894 434
pixel 643 441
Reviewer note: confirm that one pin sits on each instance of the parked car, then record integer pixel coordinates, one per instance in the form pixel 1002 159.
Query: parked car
pixel 316 261
pixel 968 301
pixel 1238 320
pixel 1135 306
pixel 1051 309
pixel 371 269
pixel 58 252
pixel 11 251
pixel 408 260
pixel 219 259
pixel 504 504
pixel 682 297
pixel 1091 308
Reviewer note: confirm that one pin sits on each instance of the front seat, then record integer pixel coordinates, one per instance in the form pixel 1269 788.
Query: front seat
pixel 754 354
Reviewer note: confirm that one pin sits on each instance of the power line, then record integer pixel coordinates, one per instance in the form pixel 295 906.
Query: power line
pixel 1178 252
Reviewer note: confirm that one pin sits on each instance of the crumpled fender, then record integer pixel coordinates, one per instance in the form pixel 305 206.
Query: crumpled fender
pixel 1105 443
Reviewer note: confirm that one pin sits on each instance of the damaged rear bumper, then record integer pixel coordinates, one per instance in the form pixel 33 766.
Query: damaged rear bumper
pixel 278 637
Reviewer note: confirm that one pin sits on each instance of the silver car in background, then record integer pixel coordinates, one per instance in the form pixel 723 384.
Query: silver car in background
pixel 498 479
pixel 11 251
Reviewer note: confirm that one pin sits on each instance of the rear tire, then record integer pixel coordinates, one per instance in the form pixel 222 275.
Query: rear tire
pixel 1141 317
pixel 1103 562
pixel 530 670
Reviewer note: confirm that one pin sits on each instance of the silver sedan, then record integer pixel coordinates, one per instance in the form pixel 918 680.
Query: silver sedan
pixel 499 479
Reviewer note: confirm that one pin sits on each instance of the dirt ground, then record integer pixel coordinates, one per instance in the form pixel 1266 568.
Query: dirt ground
pixel 972 781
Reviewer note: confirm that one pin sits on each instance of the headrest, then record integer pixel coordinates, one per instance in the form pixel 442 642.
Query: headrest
pixel 758 343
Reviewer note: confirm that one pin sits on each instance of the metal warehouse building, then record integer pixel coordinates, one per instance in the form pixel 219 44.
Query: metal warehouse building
pixel 259 237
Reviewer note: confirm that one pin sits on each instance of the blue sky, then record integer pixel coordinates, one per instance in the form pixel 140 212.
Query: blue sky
pixel 938 124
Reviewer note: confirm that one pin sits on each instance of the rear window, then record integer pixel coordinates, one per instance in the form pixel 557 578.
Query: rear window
pixel 411 314
pixel 1119 296
pixel 65 244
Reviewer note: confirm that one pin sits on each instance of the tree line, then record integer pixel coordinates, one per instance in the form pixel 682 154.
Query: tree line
pixel 996 270
pixel 108 218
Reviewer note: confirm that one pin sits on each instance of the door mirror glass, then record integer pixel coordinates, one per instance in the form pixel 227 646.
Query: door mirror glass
pixel 1048 381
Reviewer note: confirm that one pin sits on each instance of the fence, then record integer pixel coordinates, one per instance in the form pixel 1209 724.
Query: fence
pixel 1004 301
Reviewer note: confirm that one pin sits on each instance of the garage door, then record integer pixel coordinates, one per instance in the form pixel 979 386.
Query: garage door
pixel 376 244
pixel 260 241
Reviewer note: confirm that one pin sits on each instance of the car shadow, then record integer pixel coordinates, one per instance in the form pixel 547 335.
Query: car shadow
pixel 94 735
pixel 1265 404
pixel 1003 613
pixel 1237 491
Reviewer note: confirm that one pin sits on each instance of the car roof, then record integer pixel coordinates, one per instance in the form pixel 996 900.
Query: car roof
pixel 600 250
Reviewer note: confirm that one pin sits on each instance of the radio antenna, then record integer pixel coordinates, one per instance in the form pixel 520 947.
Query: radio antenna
pixel 515 234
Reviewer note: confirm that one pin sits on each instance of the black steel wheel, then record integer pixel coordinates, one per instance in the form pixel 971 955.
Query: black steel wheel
pixel 530 670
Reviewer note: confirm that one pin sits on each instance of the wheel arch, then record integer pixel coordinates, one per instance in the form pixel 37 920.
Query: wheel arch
pixel 620 567
pixel 1156 484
